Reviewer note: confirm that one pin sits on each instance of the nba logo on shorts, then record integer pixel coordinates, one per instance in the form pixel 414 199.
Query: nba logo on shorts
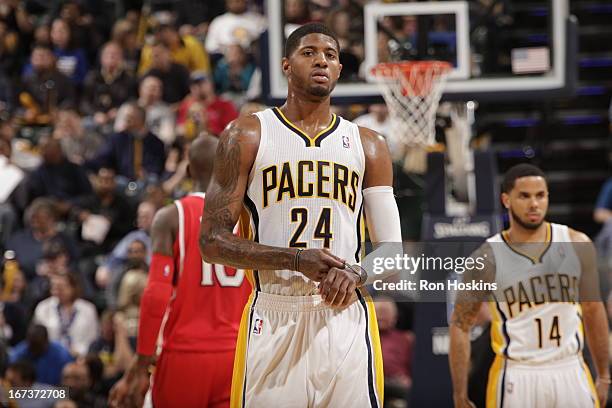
pixel 258 326
pixel 345 142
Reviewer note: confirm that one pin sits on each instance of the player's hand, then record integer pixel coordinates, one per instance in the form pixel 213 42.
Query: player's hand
pixel 602 391
pixel 462 401
pixel 338 287
pixel 316 263
pixel 129 391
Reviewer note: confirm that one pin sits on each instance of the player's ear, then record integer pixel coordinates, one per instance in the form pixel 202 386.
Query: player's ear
pixel 339 70
pixel 286 66
pixel 505 200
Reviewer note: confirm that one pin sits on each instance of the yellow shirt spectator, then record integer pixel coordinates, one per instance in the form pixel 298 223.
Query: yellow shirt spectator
pixel 185 50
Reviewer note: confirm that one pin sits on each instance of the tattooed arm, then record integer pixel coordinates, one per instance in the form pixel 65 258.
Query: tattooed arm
pixel 236 154
pixel 467 306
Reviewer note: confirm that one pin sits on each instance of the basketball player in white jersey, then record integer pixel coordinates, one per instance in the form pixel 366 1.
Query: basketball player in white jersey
pixel 545 304
pixel 300 179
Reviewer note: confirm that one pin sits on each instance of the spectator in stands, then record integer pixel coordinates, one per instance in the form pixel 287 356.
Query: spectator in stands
pixel 9 51
pixel 82 25
pixel 77 378
pixel 109 202
pixel 378 120
pixel 135 153
pixel 22 374
pixel 56 261
pixel 396 350
pixel 57 177
pixel 18 20
pixel 296 14
pixel 237 25
pixel 124 34
pixel 204 109
pixel 42 34
pixel 160 118
pixel 113 346
pixel 71 61
pixel 11 176
pixel 340 20
pixel 185 50
pixel 78 143
pixel 155 193
pixel 13 320
pixel 49 357
pixel 233 73
pixel 136 260
pixel 174 77
pixel 70 320
pixel 177 182
pixel 117 260
pixel 44 89
pixel 40 226
pixel 100 386
pixel 128 300
pixel 108 87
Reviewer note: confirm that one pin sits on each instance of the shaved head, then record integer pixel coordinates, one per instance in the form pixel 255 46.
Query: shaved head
pixel 201 159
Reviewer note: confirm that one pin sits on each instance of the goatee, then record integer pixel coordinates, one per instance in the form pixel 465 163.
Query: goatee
pixel 526 225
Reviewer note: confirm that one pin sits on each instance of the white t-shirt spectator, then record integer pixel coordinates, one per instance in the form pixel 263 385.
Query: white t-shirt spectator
pixel 370 121
pixel 230 28
pixel 75 333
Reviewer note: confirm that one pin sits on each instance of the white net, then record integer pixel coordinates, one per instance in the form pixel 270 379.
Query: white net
pixel 412 91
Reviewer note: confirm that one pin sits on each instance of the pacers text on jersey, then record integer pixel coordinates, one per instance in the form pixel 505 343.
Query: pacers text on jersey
pixel 307 178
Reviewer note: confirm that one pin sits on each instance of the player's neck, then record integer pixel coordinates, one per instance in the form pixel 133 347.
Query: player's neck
pixel 519 234
pixel 298 109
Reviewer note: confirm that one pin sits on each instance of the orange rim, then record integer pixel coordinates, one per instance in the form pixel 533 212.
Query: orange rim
pixel 387 69
pixel 417 78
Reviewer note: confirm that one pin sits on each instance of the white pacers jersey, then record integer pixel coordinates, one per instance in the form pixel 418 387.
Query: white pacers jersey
pixel 305 193
pixel 536 313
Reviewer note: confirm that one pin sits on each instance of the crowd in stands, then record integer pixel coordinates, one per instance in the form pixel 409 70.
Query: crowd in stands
pixel 99 101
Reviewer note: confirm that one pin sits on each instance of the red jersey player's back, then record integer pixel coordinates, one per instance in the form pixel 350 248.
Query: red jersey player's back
pixel 208 300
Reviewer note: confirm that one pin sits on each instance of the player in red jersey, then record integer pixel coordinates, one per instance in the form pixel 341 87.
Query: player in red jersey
pixel 203 304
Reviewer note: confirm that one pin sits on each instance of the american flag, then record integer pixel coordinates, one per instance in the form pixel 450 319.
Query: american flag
pixel 530 60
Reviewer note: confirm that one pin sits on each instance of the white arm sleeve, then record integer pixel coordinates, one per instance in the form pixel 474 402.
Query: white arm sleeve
pixel 382 215
pixel 383 220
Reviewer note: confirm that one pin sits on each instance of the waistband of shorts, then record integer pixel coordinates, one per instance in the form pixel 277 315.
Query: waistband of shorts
pixel 567 362
pixel 281 303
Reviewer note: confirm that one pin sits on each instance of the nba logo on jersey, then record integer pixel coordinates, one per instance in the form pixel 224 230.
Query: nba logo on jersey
pixel 345 142
pixel 258 326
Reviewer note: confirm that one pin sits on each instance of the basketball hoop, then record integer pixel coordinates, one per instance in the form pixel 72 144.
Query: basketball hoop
pixel 412 91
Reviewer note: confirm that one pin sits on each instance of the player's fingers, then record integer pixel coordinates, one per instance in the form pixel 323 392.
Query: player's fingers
pixel 326 286
pixel 349 293
pixel 334 288
pixel 342 291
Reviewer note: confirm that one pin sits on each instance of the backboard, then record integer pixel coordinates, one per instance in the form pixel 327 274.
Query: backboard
pixel 512 50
